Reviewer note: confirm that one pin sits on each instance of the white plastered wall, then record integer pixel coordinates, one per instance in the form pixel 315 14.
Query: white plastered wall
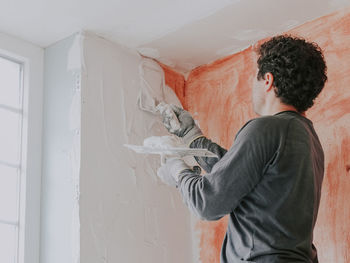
pixel 60 179
pixel 126 213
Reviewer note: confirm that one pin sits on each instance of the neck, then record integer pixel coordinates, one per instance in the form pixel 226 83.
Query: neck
pixel 272 109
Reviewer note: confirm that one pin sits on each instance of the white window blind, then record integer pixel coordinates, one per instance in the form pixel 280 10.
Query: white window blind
pixel 11 93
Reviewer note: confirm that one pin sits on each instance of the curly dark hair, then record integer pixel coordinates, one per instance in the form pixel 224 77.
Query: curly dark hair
pixel 298 68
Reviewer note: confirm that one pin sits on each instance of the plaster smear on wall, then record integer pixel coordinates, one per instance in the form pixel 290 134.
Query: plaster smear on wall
pixel 76 66
pixel 61 147
pixel 126 213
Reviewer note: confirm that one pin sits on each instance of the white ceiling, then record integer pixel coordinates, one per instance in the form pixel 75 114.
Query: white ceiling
pixel 181 33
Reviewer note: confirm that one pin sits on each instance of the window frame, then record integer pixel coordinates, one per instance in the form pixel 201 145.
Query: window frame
pixel 31 57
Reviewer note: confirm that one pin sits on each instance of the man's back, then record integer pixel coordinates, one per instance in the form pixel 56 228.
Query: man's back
pixel 275 221
pixel 269 182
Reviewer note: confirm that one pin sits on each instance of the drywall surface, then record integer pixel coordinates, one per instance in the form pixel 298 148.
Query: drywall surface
pixel 219 95
pixel 126 213
pixel 60 179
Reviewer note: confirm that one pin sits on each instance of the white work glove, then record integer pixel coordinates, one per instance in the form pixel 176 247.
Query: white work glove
pixel 169 172
pixel 188 129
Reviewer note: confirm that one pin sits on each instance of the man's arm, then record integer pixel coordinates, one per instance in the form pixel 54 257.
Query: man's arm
pixel 190 133
pixel 218 193
pixel 207 163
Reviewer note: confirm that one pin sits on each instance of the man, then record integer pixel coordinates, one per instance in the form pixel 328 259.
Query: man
pixel 269 181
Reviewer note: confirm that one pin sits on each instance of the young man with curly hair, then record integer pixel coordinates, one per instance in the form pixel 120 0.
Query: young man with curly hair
pixel 269 181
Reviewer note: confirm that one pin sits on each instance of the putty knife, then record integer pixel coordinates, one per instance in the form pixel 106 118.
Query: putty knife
pixel 171 151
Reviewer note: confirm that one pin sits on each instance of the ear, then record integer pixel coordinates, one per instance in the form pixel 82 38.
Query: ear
pixel 268 81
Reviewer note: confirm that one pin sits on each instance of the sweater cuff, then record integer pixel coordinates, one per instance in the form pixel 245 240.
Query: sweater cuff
pixel 191 134
pixel 195 138
pixel 181 175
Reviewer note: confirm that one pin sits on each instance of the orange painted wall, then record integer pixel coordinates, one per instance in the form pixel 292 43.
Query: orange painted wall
pixel 219 95
pixel 176 81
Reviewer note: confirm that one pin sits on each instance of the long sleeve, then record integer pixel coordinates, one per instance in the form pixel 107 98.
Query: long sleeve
pixel 217 193
pixel 207 163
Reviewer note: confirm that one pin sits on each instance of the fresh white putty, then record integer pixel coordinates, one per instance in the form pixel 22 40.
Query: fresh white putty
pixel 126 213
pixel 76 66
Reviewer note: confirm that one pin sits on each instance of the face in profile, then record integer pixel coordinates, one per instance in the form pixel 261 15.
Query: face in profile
pixel 258 99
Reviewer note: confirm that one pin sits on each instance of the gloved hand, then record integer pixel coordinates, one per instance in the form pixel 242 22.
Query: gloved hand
pixel 170 171
pixel 188 130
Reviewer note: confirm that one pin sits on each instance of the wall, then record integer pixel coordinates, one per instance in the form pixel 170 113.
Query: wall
pixel 176 82
pixel 58 209
pixel 331 117
pixel 219 95
pixel 126 213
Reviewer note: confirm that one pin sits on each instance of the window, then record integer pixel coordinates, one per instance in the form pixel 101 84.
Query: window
pixel 11 93
pixel 21 101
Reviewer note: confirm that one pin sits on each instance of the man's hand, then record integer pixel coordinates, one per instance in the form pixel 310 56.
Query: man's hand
pixel 188 129
pixel 169 172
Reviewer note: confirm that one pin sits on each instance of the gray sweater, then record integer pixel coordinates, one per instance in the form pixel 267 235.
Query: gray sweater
pixel 268 182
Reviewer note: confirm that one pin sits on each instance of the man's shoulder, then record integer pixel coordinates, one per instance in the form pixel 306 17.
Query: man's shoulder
pixel 265 125
pixel 266 122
